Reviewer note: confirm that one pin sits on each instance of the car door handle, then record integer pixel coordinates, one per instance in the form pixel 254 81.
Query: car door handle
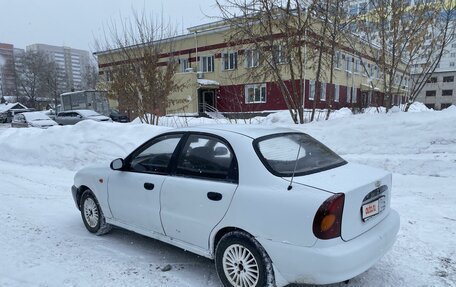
pixel 215 196
pixel 149 186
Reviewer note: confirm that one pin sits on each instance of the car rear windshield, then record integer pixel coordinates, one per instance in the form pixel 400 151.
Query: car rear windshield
pixel 282 154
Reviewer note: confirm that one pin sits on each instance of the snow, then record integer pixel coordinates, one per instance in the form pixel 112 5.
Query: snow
pixel 206 82
pixel 88 113
pixel 35 116
pixel 5 107
pixel 44 242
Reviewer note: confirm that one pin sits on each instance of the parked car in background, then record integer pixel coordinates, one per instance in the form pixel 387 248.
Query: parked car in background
pixel 117 116
pixel 32 119
pixel 90 99
pixel 11 113
pixel 73 117
pixel 271 206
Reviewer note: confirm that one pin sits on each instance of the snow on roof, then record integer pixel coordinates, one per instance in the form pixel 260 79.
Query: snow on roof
pixel 205 82
pixel 9 106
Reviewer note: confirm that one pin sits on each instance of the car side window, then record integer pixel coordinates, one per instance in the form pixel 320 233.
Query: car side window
pixel 156 157
pixel 207 157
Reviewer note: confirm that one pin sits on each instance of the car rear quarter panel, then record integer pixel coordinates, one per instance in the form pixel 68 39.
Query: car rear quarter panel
pixel 96 179
pixel 264 207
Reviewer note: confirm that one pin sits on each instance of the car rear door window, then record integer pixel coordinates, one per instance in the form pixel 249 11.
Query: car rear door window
pixel 155 157
pixel 209 158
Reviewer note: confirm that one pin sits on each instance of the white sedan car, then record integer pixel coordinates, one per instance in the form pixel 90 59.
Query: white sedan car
pixel 32 119
pixel 271 206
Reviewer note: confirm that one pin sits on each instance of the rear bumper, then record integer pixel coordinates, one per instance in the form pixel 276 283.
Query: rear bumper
pixel 331 261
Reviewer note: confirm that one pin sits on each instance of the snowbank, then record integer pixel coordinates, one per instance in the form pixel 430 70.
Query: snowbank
pixel 73 147
pixel 420 143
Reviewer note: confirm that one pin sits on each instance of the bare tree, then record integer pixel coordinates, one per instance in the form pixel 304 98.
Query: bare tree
pixel 141 77
pixel 33 78
pixel 397 35
pixel 51 85
pixel 439 36
pixel 274 32
pixel 90 77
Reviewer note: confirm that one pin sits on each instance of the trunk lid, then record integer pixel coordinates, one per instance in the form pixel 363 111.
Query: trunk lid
pixel 367 194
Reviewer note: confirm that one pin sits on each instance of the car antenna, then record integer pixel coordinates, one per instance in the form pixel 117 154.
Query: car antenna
pixel 294 170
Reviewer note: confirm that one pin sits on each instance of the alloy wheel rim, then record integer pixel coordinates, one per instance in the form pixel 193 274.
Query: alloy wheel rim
pixel 240 266
pixel 91 212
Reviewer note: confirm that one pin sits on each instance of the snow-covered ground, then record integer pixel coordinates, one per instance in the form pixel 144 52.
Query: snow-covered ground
pixel 44 243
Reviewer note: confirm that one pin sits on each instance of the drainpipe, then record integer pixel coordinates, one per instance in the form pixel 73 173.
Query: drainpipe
pixel 196 52
pixel 197 70
pixel 304 74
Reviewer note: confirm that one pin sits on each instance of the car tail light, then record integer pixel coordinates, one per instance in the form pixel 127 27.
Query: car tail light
pixel 328 219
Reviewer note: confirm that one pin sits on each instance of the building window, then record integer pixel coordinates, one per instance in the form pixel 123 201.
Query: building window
pixel 311 90
pixel 353 10
pixel 447 93
pixel 183 65
pixel 279 54
pixel 432 80
pixel 448 79
pixel 363 8
pixel 255 93
pixel 252 58
pixel 453 55
pixel 451 64
pixel 430 106
pixel 363 67
pixel 348 64
pixel 337 60
pixel 229 61
pixel 323 92
pixel 431 93
pixel 444 106
pixel 336 93
pixel 351 95
pixel 108 76
pixel 206 63
pixel 356 65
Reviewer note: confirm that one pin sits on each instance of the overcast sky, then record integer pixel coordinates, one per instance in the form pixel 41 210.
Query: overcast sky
pixel 75 23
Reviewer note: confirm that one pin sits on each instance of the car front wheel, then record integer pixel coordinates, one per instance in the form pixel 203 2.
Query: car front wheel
pixel 92 216
pixel 241 261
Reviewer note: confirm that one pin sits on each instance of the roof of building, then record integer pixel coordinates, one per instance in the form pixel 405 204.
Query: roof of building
pixel 8 106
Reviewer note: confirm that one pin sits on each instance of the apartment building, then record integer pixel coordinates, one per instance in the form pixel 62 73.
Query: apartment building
pixel 71 64
pixel 440 90
pixel 213 72
pixel 7 70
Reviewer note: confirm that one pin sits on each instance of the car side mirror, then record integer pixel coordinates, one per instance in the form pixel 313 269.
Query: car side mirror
pixel 117 164
pixel 79 116
pixel 221 150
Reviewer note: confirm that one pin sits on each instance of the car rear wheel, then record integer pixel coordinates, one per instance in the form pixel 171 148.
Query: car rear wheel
pixel 241 261
pixel 92 216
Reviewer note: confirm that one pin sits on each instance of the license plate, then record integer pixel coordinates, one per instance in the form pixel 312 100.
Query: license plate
pixel 370 209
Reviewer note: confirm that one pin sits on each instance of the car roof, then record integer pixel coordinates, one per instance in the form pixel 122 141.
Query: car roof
pixel 79 110
pixel 252 131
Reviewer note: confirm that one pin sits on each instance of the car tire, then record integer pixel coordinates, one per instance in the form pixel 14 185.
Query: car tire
pixel 241 261
pixel 92 215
